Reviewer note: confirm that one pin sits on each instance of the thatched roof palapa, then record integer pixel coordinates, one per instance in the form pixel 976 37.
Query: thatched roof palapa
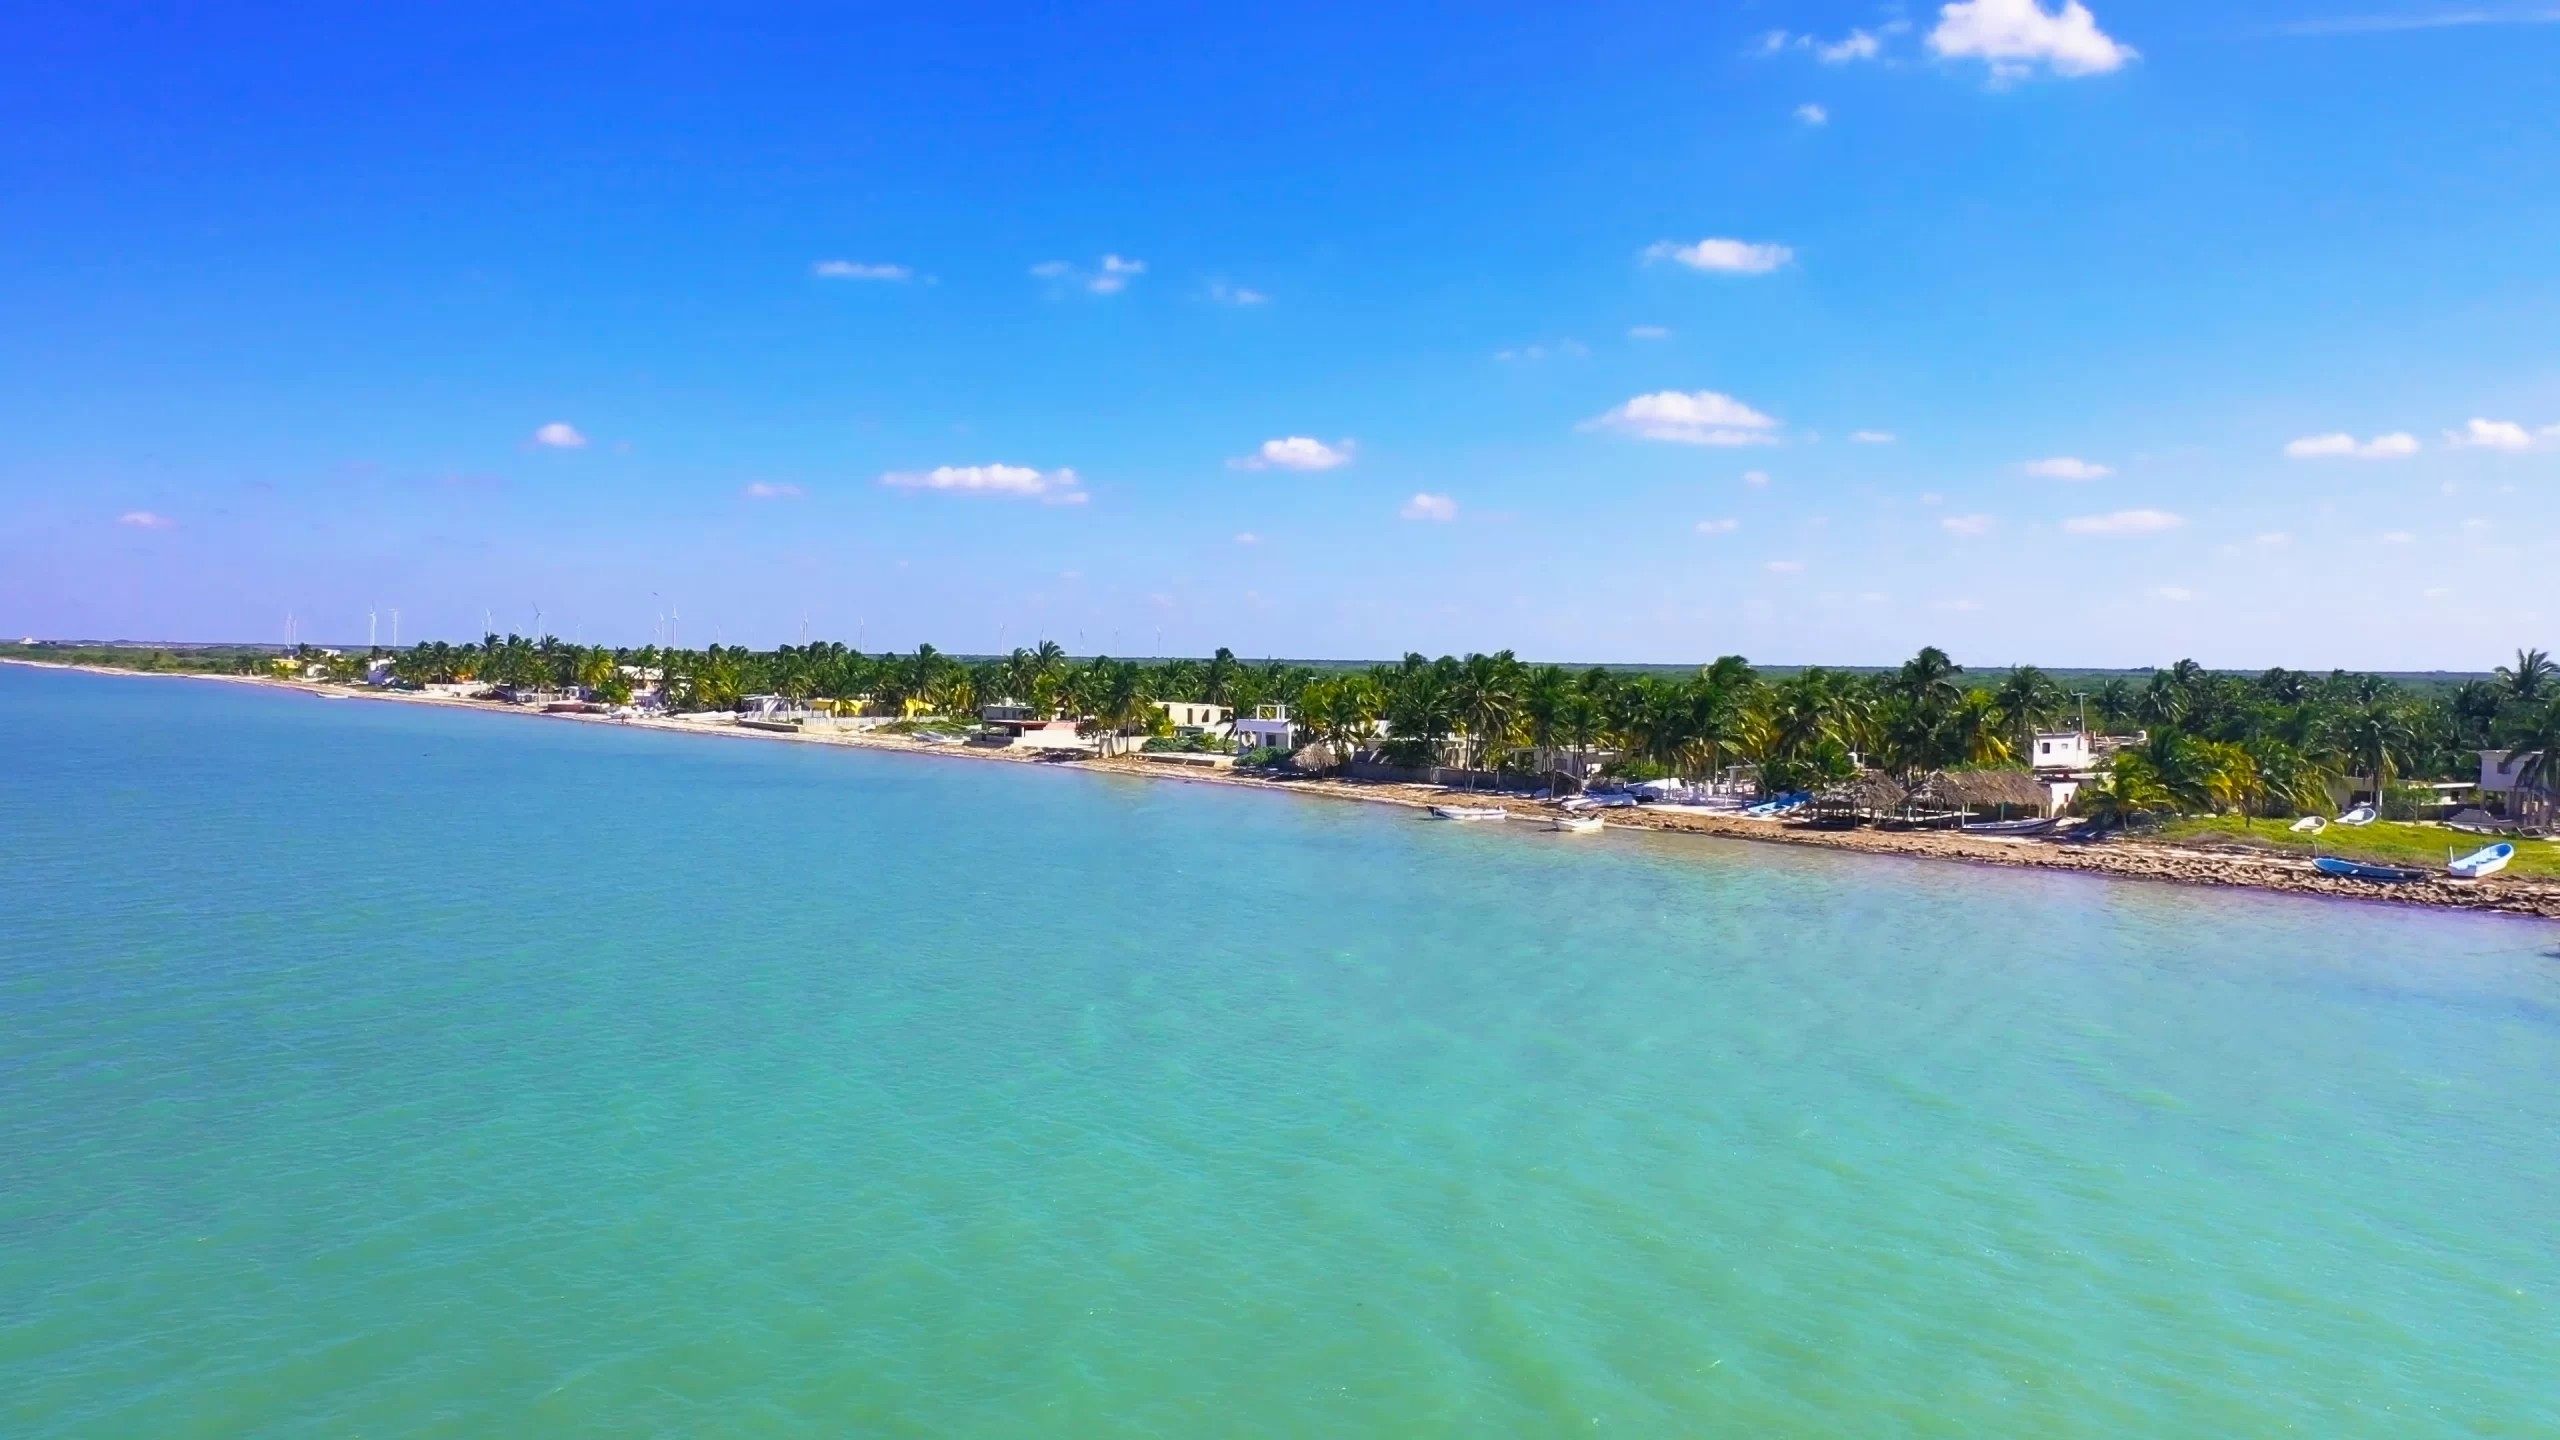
pixel 1980 790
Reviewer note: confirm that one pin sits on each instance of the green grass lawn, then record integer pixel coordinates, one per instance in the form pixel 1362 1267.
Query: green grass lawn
pixel 2384 842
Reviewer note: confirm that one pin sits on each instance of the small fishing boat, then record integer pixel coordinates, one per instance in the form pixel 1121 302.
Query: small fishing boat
pixel 1778 804
pixel 2310 825
pixel 2012 827
pixel 2487 860
pixel 1577 824
pixel 1468 812
pixel 2358 870
pixel 2361 815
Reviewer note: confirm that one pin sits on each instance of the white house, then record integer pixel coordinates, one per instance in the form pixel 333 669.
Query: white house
pixel 2062 750
pixel 1267 728
pixel 1195 717
pixel 2500 775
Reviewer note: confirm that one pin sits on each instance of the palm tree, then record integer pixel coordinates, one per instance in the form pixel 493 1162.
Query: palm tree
pixel 2533 747
pixel 2527 679
pixel 2376 736
pixel 2029 701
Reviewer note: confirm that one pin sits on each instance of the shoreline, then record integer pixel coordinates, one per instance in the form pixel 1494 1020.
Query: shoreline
pixel 2128 859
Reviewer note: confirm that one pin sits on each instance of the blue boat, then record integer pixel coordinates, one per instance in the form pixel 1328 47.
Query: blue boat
pixel 2358 870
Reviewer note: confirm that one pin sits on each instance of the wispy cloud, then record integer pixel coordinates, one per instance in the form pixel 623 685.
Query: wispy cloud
pixel 1297 452
pixel 772 490
pixel 1108 278
pixel 1648 332
pixel 1247 537
pixel 1725 526
pixel 1722 256
pixel 2273 539
pixel 1053 487
pixel 1870 437
pixel 2504 435
pixel 1226 294
pixel 1967 525
pixel 559 435
pixel 2416 20
pixel 2016 36
pixel 2124 522
pixel 1784 567
pixel 146 520
pixel 1427 506
pixel 2065 467
pixel 1699 417
pixel 2340 445
pixel 1756 479
pixel 2175 594
pixel 1812 114
pixel 857 270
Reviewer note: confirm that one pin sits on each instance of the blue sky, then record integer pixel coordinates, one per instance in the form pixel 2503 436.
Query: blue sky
pixel 1332 332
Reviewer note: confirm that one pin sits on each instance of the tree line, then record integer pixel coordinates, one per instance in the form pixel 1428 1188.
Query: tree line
pixel 2276 742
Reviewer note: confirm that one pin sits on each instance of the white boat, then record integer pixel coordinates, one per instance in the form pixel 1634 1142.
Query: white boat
pixel 1468 812
pixel 1577 824
pixel 2361 815
pixel 2487 860
pixel 2310 825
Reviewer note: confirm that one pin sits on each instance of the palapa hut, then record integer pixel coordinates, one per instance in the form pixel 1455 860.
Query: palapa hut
pixel 1871 797
pixel 1991 794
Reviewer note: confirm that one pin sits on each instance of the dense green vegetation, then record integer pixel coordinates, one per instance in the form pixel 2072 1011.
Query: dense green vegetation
pixel 2270 744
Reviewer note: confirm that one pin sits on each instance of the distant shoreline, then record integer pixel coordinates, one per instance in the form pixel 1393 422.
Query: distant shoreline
pixel 2130 859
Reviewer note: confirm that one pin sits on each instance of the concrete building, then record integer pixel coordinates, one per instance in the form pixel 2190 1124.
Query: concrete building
pixel 1190 717
pixel 1267 728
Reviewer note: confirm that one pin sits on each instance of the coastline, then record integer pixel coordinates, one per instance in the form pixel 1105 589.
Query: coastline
pixel 2129 859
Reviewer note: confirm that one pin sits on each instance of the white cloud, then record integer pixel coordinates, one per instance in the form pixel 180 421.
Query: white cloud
pixel 773 490
pixel 1870 437
pixel 1757 479
pixel 2172 592
pixel 1812 114
pixel 1725 526
pixel 2340 444
pixel 1297 452
pixel 559 435
pixel 2015 36
pixel 856 270
pixel 2397 537
pixel 1960 606
pixel 1108 278
pixel 1784 567
pixel 2065 467
pixel 2274 540
pixel 1054 487
pixel 1525 352
pixel 146 520
pixel 1700 417
pixel 2124 522
pixel 1856 45
pixel 1247 537
pixel 1932 497
pixel 1968 524
pixel 1226 294
pixel 1430 507
pixel 2500 435
pixel 1730 257
pixel 1648 332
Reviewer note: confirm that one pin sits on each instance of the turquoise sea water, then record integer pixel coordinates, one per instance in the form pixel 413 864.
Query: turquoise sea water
pixel 366 1069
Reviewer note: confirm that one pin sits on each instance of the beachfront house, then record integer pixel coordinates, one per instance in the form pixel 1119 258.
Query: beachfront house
pixel 1011 724
pixel 1191 717
pixel 2500 774
pixel 1267 728
pixel 2063 750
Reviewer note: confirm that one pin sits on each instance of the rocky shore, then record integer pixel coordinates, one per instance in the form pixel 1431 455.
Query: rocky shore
pixel 2126 858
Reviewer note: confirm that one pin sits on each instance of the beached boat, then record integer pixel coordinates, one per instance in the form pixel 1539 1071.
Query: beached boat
pixel 2309 825
pixel 1778 804
pixel 2361 815
pixel 1468 812
pixel 2043 826
pixel 1576 824
pixel 2487 860
pixel 2358 870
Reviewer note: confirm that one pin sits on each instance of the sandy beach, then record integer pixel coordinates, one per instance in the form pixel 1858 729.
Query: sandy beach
pixel 2123 857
